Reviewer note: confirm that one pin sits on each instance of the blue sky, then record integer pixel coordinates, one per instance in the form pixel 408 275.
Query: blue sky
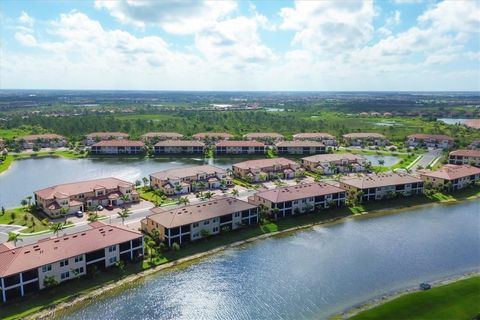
pixel 241 45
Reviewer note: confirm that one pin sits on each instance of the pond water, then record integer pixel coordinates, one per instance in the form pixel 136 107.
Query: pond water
pixel 28 175
pixel 452 120
pixel 307 275
pixel 388 160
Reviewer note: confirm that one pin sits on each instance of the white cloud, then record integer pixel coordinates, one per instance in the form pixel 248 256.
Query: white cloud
pixel 25 19
pixel 329 25
pixel 456 16
pixel 177 16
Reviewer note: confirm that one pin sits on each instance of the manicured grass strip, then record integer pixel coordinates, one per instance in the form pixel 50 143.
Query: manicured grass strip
pixel 458 300
pixel 22 218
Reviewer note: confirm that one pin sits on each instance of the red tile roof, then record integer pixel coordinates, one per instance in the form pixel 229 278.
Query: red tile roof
pixel 313 135
pixel 55 249
pixel 424 136
pixel 179 173
pixel 198 212
pixel 94 135
pixel 299 144
pixel 466 153
pixel 332 157
pixel 179 143
pixel 69 189
pixel 364 135
pixel 473 123
pixel 119 143
pixel 242 143
pixel 221 135
pixel 47 136
pixel 162 134
pixel 374 180
pixel 452 172
pixel 298 192
pixel 264 163
pixel 263 135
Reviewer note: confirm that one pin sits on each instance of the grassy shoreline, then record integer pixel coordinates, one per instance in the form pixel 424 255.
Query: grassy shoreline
pixel 7 162
pixel 451 298
pixel 80 290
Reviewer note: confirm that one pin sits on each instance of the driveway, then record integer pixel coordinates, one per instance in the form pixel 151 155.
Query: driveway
pixel 427 158
pixel 5 229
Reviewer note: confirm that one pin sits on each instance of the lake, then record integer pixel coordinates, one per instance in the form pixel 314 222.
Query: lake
pixel 374 159
pixel 452 120
pixel 311 274
pixel 28 175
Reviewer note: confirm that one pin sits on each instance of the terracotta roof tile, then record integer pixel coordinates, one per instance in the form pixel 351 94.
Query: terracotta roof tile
pixel 298 192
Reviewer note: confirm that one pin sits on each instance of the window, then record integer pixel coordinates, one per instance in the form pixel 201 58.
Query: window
pixel 112 260
pixel 214 220
pixel 206 222
pixel 78 258
pixel 63 263
pixel 215 229
pixel 65 275
pixel 195 225
pixel 237 214
pixel 112 248
pixel 46 268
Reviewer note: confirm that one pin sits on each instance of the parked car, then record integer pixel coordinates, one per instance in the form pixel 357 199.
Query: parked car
pixel 109 207
pixel 99 208
pixel 79 213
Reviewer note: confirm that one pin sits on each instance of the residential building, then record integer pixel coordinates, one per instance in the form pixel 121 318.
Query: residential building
pixel 79 196
pixel 186 180
pixel 196 221
pixel 333 163
pixel 362 139
pixel 429 140
pixel 474 145
pixel 325 138
pixel 467 156
pixel 263 169
pixel 212 136
pixel 48 140
pixel 298 199
pixel 268 137
pixel 472 123
pixel 179 146
pixel 118 147
pixel 153 137
pixel 95 137
pixel 451 176
pixel 381 186
pixel 29 268
pixel 239 147
pixel 300 147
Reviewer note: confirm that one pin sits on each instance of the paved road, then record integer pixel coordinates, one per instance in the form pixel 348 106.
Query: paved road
pixel 5 229
pixel 427 158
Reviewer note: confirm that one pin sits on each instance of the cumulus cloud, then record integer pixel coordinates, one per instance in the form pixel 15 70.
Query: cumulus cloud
pixel 329 25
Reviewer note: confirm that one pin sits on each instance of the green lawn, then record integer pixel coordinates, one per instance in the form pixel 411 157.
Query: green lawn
pixel 458 300
pixel 23 218
pixel 149 195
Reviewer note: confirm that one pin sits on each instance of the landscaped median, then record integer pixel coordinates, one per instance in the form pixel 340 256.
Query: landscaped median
pixel 456 300
pixel 84 289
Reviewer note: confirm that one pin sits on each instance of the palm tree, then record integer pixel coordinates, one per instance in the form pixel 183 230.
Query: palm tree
pixel 381 162
pixel 235 192
pixel 56 228
pixel 125 198
pixel 24 203
pixel 63 211
pixel 349 167
pixel 14 237
pixel 208 195
pixel 158 193
pixel 178 188
pixel 29 199
pixel 145 181
pixel 332 167
pixel 183 200
pixel 124 214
